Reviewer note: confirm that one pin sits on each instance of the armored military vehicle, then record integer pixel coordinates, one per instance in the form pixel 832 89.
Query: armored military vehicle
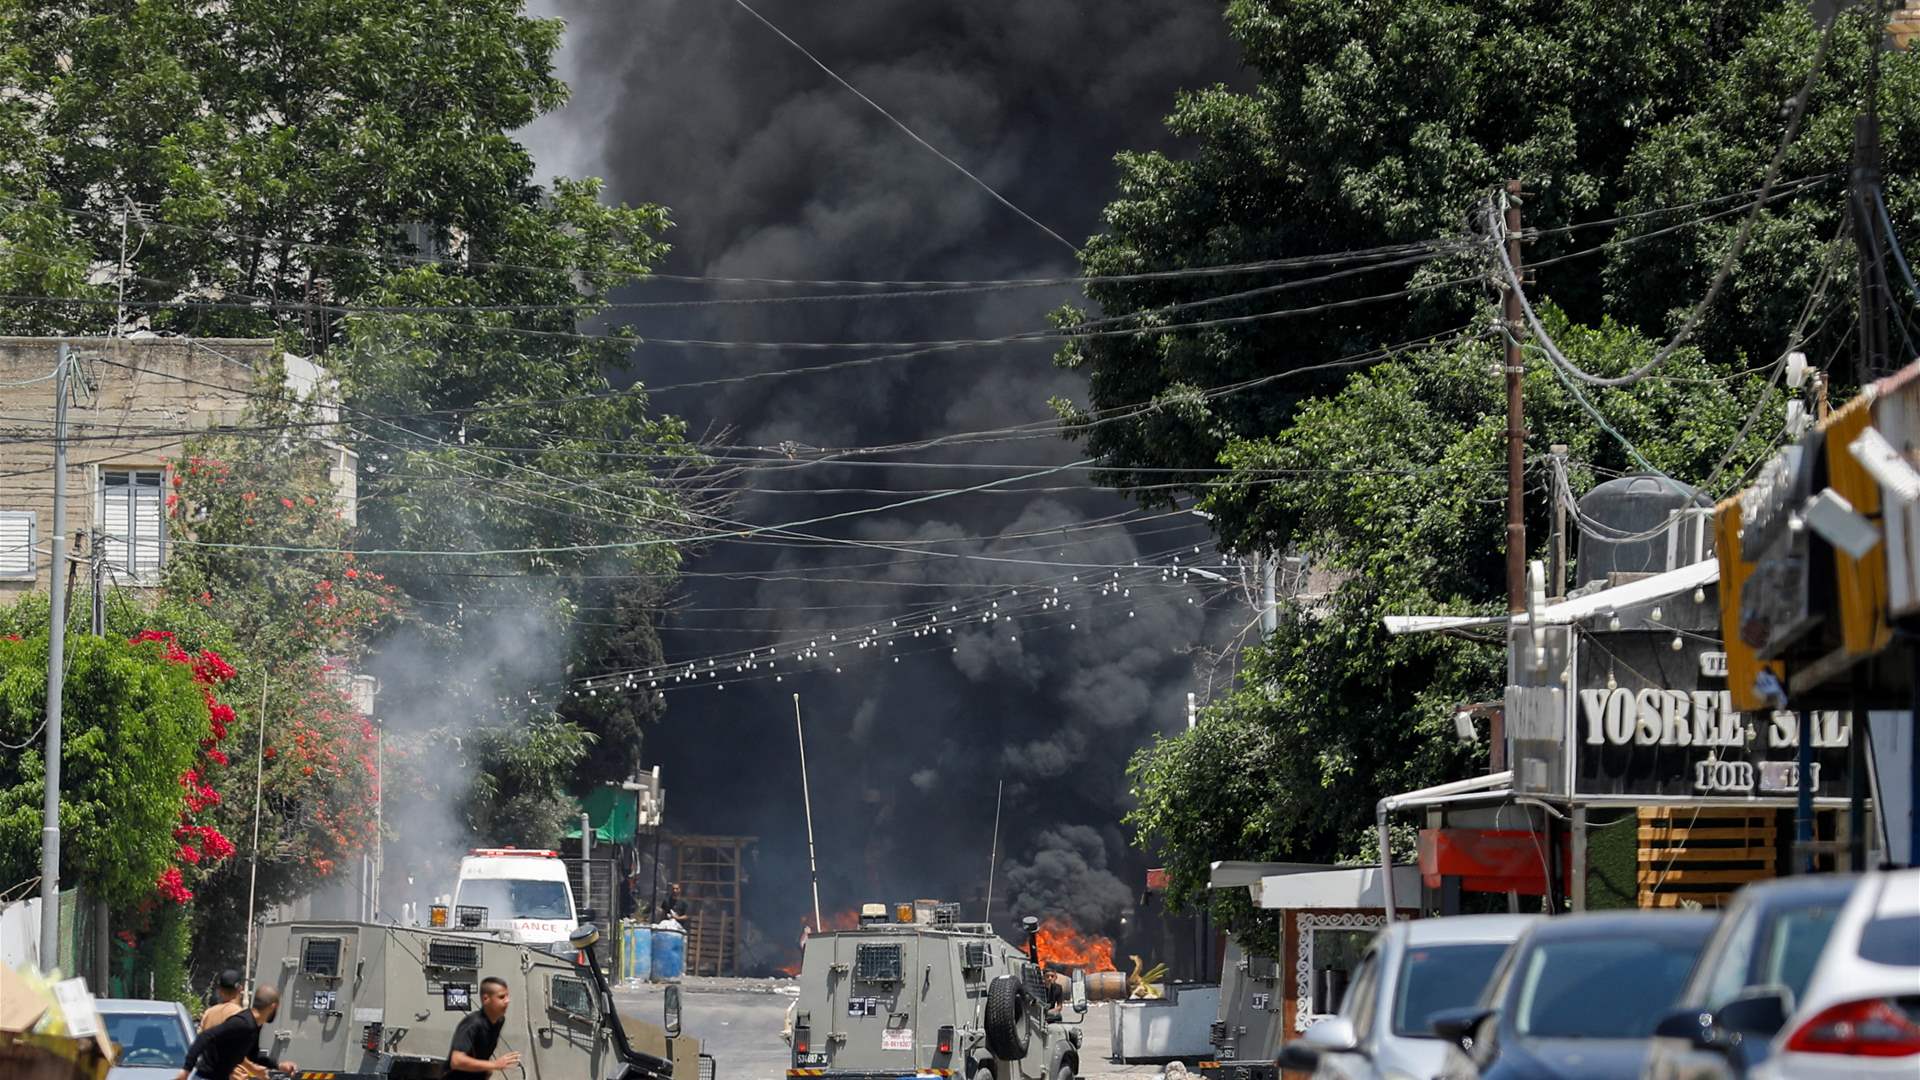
pixel 915 992
pixel 1246 1037
pixel 364 1001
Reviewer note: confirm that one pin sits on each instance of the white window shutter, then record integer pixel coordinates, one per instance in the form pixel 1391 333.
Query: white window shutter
pixel 16 544
pixel 116 520
pixel 146 526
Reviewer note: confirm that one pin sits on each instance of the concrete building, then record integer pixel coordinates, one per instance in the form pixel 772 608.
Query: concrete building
pixel 141 399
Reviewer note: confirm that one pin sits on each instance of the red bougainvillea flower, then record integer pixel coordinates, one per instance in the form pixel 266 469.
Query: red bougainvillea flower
pixel 173 886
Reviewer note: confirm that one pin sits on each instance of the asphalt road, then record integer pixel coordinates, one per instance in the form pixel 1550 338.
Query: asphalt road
pixel 739 1022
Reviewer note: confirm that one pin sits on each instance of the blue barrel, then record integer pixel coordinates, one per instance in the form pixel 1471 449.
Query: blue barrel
pixel 669 954
pixel 636 952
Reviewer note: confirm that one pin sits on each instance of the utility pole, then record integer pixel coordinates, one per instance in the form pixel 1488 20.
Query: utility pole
pixel 1875 297
pixel 102 914
pixel 56 678
pixel 1516 419
pixel 1560 497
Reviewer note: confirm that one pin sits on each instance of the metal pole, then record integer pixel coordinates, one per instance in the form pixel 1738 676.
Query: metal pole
pixel 1803 814
pixel 253 858
pixel 1516 426
pixel 56 678
pixel 993 857
pixel 1857 777
pixel 379 810
pixel 1577 890
pixel 1269 598
pixel 1560 497
pixel 806 795
pixel 586 858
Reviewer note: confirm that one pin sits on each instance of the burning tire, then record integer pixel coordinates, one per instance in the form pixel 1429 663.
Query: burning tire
pixel 1006 1018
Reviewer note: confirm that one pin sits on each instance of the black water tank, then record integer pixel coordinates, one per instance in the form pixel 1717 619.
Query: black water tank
pixel 1624 527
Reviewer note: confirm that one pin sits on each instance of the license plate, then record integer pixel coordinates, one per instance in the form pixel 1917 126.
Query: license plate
pixel 896 1039
pixel 819 1058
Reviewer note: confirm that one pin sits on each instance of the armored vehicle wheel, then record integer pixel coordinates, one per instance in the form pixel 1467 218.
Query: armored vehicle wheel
pixel 1064 1072
pixel 1006 1018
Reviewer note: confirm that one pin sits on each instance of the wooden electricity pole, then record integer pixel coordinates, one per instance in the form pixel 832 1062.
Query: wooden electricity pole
pixel 1516 418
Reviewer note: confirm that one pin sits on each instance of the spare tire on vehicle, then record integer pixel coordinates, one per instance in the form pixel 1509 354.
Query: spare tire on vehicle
pixel 1006 1018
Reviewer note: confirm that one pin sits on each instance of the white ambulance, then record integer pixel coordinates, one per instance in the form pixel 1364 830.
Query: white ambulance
pixel 521 890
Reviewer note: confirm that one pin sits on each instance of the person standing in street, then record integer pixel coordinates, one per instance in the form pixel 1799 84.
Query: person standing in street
pixel 221 1049
pixel 478 1036
pixel 228 986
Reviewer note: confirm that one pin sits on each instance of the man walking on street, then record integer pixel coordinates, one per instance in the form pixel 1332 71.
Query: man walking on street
pixel 229 987
pixel 474 1041
pixel 219 1050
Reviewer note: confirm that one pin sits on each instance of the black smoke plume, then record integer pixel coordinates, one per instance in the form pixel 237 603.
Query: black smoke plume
pixel 771 170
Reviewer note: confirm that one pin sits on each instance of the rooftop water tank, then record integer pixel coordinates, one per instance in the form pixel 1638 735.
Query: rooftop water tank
pixel 1642 525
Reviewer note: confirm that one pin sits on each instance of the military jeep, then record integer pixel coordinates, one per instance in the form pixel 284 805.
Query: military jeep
pixel 923 994
pixel 367 1001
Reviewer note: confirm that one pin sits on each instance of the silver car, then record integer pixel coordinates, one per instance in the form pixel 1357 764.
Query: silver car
pixel 1411 970
pixel 150 1037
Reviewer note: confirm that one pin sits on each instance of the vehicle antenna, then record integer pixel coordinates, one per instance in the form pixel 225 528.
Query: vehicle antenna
pixel 806 795
pixel 993 859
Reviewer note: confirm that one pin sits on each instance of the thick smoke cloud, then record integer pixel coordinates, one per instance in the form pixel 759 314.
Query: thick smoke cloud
pixel 1068 875
pixel 771 170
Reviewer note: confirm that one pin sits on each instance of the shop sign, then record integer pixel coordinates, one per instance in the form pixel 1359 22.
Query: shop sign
pixel 1650 720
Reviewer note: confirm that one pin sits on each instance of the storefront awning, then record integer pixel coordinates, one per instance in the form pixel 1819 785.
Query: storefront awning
pixel 1241 875
pixel 1357 887
pixel 1645 591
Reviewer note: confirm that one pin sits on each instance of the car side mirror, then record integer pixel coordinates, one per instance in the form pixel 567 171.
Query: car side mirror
pixel 671 997
pixel 1077 997
pixel 1695 1026
pixel 1334 1035
pixel 1760 1011
pixel 1458 1025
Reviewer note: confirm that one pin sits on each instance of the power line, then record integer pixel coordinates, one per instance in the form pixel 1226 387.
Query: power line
pixel 1721 276
pixel 911 134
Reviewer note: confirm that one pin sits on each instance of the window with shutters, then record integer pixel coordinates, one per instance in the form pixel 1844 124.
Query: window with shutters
pixel 133 523
pixel 18 532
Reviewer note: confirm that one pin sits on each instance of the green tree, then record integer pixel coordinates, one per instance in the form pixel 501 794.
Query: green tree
pixel 1387 122
pixel 275 169
pixel 133 724
pixel 1394 488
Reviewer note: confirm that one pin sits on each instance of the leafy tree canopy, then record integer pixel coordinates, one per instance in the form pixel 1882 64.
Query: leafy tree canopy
pixel 1378 123
pixel 1329 712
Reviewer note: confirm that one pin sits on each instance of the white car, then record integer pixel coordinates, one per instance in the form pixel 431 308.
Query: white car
pixel 150 1038
pixel 1860 1015
pixel 1411 970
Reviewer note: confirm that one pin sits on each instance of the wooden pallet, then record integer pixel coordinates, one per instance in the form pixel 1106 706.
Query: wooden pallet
pixel 1703 856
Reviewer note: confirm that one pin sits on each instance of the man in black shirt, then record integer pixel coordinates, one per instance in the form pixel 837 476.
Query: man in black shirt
pixel 474 1041
pixel 220 1049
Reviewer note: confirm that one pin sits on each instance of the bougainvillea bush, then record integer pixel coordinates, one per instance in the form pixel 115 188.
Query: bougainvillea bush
pixel 140 763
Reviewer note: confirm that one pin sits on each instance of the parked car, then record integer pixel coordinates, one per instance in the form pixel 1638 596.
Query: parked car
pixel 1767 941
pixel 1576 998
pixel 150 1038
pixel 1859 1016
pixel 1410 971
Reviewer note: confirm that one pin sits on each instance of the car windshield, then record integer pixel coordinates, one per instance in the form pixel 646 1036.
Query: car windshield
pixel 1793 947
pixel 1594 988
pixel 147 1038
pixel 1438 977
pixel 515 898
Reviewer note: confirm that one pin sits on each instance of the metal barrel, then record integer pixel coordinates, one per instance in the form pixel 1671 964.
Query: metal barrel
pixel 636 952
pixel 669 954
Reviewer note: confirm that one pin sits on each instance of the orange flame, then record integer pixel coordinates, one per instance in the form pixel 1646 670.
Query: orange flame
pixel 837 920
pixel 1060 945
